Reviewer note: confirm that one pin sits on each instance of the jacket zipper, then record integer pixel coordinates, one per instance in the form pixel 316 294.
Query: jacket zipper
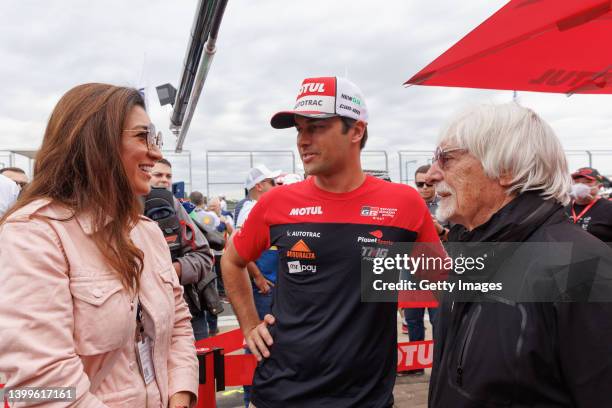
pixel 466 343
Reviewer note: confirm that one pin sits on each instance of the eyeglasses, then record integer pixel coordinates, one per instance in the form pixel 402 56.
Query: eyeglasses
pixel 154 138
pixel 421 184
pixel 441 155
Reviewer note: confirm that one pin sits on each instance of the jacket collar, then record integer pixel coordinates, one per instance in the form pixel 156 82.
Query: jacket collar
pixel 514 222
pixel 59 212
pixel 85 220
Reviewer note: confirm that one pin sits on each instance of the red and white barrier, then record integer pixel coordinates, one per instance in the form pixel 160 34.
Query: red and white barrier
pixel 239 368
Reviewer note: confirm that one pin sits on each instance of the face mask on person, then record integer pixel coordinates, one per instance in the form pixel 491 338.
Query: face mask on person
pixel 580 191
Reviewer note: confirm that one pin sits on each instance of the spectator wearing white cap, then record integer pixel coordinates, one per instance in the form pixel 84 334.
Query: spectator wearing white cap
pixel 259 180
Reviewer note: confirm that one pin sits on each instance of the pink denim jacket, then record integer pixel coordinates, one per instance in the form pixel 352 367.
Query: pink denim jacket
pixel 65 317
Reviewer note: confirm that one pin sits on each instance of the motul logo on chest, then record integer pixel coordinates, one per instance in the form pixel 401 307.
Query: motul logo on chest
pixel 313 87
pixel 306 211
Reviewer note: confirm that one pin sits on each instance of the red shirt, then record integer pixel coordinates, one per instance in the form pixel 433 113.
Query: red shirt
pixel 330 348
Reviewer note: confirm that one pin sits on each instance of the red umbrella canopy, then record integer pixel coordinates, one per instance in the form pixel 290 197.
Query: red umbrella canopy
pixel 532 45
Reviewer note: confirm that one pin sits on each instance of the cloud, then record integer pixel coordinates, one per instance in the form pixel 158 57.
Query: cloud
pixel 264 51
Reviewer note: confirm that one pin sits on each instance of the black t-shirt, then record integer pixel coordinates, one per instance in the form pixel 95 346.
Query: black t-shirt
pixel 330 349
pixel 597 220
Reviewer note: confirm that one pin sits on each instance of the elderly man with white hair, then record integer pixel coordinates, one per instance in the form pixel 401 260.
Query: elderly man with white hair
pixel 501 173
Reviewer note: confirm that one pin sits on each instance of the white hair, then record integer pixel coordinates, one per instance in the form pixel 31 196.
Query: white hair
pixel 509 139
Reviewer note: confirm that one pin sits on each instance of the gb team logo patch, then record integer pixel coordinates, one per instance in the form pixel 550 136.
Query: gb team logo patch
pixel 378 213
pixel 369 211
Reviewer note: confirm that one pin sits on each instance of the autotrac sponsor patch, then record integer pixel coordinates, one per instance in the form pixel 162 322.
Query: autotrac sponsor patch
pixel 306 234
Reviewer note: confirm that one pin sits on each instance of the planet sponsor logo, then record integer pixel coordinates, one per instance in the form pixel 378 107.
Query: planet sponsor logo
pixel 374 238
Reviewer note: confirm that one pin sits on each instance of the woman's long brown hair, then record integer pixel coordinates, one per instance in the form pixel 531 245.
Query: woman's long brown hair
pixel 79 166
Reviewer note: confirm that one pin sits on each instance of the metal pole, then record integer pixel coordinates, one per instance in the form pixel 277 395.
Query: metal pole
pixel 207 188
pixel 210 49
pixel 590 158
pixel 203 69
pixel 198 34
pixel 293 162
pixel 386 162
pixel 400 166
pixel 407 163
pixel 190 175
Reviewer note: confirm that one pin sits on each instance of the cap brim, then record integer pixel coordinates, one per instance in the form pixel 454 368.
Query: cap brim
pixel 286 119
pixel 274 174
pixel 575 175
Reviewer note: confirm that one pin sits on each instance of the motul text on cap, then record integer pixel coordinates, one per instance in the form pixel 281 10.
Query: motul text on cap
pixel 324 97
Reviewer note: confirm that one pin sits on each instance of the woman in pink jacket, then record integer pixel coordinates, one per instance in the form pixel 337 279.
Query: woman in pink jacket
pixel 89 298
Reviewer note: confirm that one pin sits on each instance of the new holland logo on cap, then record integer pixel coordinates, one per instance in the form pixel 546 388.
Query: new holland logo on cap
pixel 323 98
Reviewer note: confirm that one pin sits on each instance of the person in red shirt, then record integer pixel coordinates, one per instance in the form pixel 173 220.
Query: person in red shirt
pixel 322 346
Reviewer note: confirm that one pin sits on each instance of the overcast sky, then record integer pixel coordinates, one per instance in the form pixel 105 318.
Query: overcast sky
pixel 265 49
